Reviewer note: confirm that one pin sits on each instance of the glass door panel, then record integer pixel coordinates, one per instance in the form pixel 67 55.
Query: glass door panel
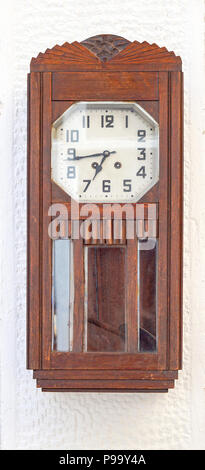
pixel 62 295
pixel 147 297
pixel 105 322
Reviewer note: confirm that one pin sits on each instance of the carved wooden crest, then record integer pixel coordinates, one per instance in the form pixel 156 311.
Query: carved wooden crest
pixel 92 53
pixel 106 46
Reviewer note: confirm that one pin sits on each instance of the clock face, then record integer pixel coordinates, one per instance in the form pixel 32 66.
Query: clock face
pixel 105 152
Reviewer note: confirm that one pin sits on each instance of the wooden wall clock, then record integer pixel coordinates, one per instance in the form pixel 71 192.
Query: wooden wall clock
pixel 105 121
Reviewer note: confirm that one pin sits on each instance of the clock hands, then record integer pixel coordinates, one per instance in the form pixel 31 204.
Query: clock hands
pixel 91 156
pixel 99 167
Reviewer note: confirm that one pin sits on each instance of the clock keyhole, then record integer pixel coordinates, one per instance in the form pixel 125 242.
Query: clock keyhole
pixel 117 165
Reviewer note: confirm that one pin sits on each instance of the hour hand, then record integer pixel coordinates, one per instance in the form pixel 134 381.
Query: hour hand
pixel 97 170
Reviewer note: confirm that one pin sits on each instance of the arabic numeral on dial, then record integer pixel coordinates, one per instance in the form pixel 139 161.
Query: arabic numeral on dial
pixel 72 136
pixel 107 121
pixel 72 153
pixel 106 186
pixel 87 184
pixel 141 134
pixel 141 172
pixel 71 173
pixel 142 154
pixel 127 187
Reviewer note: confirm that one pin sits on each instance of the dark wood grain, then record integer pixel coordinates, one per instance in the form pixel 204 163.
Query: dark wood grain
pixel 46 242
pixel 107 374
pixel 103 361
pixel 104 86
pixel 33 234
pixel 78 321
pixel 59 107
pixel 164 183
pixel 105 384
pixel 176 205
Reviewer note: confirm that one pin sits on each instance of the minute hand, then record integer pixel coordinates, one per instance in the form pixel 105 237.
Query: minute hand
pixel 87 156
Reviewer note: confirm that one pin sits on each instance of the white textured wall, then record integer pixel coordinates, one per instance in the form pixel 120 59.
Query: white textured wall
pixel 29 418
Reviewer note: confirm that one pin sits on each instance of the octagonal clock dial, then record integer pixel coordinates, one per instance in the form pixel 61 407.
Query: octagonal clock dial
pixel 105 152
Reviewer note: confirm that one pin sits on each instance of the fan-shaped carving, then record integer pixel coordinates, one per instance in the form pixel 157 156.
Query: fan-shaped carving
pixel 110 50
pixel 143 53
pixel 67 53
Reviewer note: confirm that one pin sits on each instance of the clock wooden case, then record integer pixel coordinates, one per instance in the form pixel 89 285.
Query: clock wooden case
pixel 105 126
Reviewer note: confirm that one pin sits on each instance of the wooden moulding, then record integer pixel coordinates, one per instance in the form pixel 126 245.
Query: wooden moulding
pixel 33 227
pixel 106 385
pixel 113 380
pixel 176 222
pixel 46 242
pixel 105 67
pixel 128 381
pixel 74 374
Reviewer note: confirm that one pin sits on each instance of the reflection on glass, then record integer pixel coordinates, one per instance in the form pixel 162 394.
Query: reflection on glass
pixel 62 295
pixel 104 327
pixel 147 299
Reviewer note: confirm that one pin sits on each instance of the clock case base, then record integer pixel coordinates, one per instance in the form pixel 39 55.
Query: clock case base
pixel 113 381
